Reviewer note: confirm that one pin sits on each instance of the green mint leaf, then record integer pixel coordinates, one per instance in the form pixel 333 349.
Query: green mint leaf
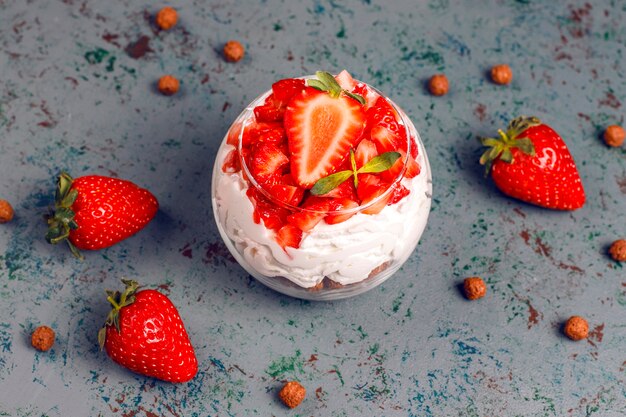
pixel 317 84
pixel 380 163
pixel 327 78
pixel 357 97
pixel 329 183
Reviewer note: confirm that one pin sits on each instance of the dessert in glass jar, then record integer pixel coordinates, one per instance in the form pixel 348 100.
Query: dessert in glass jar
pixel 321 188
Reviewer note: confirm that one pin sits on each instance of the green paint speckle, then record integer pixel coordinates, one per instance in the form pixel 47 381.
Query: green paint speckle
pixel 96 56
pixel 286 364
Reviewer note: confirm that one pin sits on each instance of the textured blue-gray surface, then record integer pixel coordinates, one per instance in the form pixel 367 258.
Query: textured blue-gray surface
pixel 77 92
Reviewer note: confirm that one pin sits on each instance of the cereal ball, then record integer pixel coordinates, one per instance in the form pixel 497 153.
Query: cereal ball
pixel 618 250
pixel 42 338
pixel 474 288
pixel 166 18
pixel 614 136
pixel 292 394
pixel 6 211
pixel 576 328
pixel 438 85
pixel 168 85
pixel 501 74
pixel 233 51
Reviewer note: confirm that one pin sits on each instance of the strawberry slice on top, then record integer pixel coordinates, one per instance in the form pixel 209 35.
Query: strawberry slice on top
pixel 321 128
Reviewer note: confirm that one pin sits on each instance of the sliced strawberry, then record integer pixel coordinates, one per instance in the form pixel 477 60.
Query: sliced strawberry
pixel 386 140
pixel 370 188
pixel 412 168
pixel 289 236
pixel 398 193
pixel 340 204
pixel 231 162
pixel 321 130
pixel 232 137
pixel 365 151
pixel 383 114
pixel 284 90
pixel 288 194
pixel 268 162
pixel 345 80
pixel 414 149
pixel 308 218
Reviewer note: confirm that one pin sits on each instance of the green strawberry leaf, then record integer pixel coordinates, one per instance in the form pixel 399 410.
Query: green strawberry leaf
pixel 317 84
pixel 526 146
pixel 327 78
pixel 380 163
pixel 357 97
pixel 329 183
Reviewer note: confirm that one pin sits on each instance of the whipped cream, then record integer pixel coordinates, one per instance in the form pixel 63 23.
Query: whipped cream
pixel 345 252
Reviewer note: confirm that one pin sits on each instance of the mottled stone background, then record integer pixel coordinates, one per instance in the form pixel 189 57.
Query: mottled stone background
pixel 77 92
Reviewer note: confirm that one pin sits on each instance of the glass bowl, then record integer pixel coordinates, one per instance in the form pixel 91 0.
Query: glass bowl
pixel 333 261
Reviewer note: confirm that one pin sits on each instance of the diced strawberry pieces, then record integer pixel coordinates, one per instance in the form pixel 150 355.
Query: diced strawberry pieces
pixel 412 168
pixel 385 139
pixel 365 151
pixel 284 90
pixel 310 216
pixel 231 162
pixel 339 205
pixel 263 132
pixel 321 130
pixel 371 188
pixel 345 80
pixel 232 137
pixel 414 148
pixel 383 114
pixel 269 113
pixel 268 163
pixel 287 194
pixel 398 193
pixel 272 216
pixel 289 236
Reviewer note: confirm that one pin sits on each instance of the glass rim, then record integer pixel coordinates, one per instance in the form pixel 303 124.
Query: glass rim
pixel 246 117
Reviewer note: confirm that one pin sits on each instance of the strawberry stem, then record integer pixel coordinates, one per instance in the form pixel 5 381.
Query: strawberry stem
pixel 513 138
pixel 118 300
pixel 61 220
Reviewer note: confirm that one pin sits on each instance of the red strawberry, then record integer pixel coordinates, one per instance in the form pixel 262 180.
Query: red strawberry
pixel 340 204
pixel 231 162
pixel 398 193
pixel 365 151
pixel 321 129
pixel 268 162
pixel 145 334
pixel 284 90
pixel 310 216
pixel 345 80
pixel 262 132
pixel 289 235
pixel 95 212
pixel 289 194
pixel 386 140
pixel 383 114
pixel 531 162
pixel 269 111
pixel 370 188
pixel 273 216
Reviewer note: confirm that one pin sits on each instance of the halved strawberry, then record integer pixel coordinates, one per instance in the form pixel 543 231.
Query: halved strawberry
pixel 340 204
pixel 372 187
pixel 321 129
pixel 268 162
pixel 365 151
pixel 386 140
pixel 284 90
pixel 307 219
pixel 289 235
pixel 231 162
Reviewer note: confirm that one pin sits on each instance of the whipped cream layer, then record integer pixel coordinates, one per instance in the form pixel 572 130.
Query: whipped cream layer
pixel 346 252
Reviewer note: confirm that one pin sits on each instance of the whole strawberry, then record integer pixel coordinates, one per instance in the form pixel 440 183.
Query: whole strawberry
pixel 95 212
pixel 530 162
pixel 145 334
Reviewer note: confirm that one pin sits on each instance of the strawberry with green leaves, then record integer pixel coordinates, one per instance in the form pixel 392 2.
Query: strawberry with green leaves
pixel 531 162
pixel 95 212
pixel 144 333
